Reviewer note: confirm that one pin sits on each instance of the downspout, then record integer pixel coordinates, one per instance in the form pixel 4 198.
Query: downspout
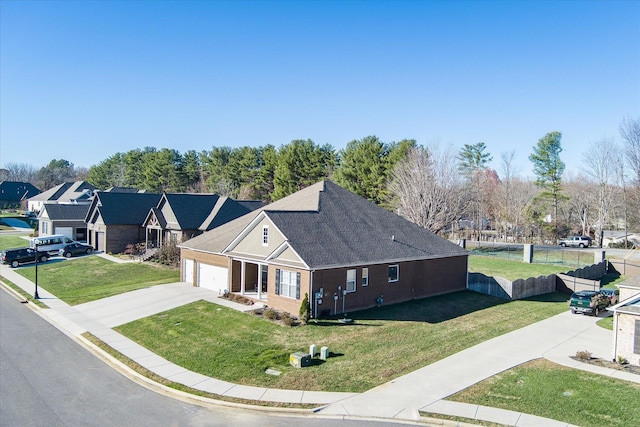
pixel 615 335
pixel 313 297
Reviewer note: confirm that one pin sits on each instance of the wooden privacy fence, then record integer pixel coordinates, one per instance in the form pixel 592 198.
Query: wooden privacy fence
pixel 575 280
pixel 625 267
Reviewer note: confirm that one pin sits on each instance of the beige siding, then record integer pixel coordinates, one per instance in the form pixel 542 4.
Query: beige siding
pixel 169 216
pixel 252 242
pixel 289 255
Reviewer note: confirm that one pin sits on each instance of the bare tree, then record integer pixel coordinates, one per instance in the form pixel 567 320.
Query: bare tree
pixel 429 188
pixel 522 193
pixel 599 158
pixel 21 172
pixel 630 132
pixel 508 171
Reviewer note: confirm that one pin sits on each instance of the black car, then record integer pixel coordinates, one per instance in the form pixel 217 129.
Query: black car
pixel 75 249
pixel 18 256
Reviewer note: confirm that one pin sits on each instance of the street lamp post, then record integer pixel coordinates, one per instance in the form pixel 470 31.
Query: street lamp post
pixel 35 295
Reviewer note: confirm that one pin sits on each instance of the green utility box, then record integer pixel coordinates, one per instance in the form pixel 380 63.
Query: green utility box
pixel 300 359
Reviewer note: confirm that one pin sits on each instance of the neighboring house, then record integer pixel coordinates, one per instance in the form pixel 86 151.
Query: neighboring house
pixel 115 219
pixel 626 322
pixel 618 238
pixel 345 252
pixel 68 192
pixel 13 193
pixel 181 216
pixel 65 219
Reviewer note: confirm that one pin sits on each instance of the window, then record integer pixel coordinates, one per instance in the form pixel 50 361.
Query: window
pixel 288 283
pixel 351 281
pixel 394 273
pixel 365 277
pixel 265 235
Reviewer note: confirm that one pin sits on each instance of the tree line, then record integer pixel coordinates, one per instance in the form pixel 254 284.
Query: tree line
pixel 447 192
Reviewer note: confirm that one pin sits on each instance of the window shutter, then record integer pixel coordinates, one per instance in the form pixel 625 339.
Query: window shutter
pixel 277 281
pixel 298 285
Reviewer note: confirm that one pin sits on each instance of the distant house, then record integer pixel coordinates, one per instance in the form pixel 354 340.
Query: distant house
pixel 68 192
pixel 181 216
pixel 115 219
pixel 345 252
pixel 13 193
pixel 62 218
pixel 626 322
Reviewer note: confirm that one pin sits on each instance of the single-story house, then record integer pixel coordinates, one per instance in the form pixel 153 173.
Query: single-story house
pixel 13 193
pixel 181 216
pixel 343 251
pixel 65 219
pixel 114 219
pixel 67 192
pixel 626 322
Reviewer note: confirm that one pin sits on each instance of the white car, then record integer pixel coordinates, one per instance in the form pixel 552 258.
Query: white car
pixel 576 242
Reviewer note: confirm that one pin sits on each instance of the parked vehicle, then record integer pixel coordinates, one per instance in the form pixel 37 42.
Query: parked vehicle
pixel 612 294
pixel 51 244
pixel 75 248
pixel 588 302
pixel 18 256
pixel 576 242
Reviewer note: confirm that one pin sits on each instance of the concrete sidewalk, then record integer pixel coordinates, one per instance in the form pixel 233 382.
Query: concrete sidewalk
pixel 425 389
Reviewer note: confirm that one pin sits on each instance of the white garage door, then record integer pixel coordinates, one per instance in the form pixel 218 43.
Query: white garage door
pixel 212 277
pixel 187 273
pixel 65 231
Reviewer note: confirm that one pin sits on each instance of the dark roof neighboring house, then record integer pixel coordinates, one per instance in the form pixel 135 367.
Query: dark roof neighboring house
pixel 122 208
pixel 65 212
pixel 13 192
pixel 329 226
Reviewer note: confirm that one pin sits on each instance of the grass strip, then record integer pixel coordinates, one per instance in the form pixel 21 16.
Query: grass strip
pixel 549 390
pixel 21 291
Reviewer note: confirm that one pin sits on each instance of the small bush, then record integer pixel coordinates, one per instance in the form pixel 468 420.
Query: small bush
pixel 287 320
pixel 621 360
pixel 270 314
pixel 583 355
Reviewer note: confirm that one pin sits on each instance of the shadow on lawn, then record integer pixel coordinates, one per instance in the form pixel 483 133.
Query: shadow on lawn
pixel 437 309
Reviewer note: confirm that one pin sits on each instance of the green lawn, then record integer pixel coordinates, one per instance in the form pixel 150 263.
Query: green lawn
pixel 548 390
pixel 510 269
pixel 382 344
pixel 85 279
pixel 13 241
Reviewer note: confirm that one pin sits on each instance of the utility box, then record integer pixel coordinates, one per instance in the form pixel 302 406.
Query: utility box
pixel 324 353
pixel 313 350
pixel 300 359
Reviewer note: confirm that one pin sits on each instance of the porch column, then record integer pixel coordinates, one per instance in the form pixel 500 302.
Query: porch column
pixel 242 267
pixel 259 281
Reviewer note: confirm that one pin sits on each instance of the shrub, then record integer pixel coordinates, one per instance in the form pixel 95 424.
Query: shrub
pixel 304 309
pixel 287 319
pixel 269 313
pixel 583 355
pixel 169 254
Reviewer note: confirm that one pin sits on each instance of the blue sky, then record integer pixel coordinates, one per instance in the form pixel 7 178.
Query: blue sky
pixel 82 80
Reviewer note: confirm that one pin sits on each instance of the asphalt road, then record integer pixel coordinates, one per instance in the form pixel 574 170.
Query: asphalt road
pixel 48 379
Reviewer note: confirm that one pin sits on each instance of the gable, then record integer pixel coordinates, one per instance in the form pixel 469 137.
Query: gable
pixel 251 241
pixel 286 255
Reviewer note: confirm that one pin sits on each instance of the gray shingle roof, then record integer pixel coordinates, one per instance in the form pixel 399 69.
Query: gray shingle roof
pixel 65 192
pixel 191 209
pixel 124 208
pixel 15 190
pixel 66 212
pixel 329 226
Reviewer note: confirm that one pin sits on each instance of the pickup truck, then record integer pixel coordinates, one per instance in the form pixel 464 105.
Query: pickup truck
pixel 588 302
